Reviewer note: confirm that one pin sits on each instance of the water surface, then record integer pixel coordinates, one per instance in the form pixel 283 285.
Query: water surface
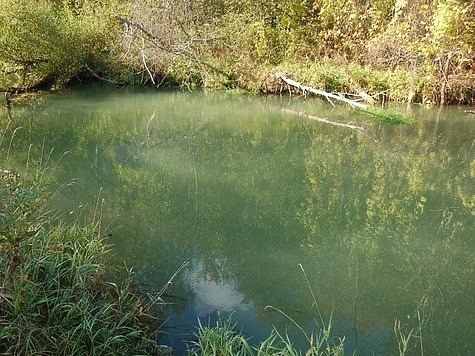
pixel 255 199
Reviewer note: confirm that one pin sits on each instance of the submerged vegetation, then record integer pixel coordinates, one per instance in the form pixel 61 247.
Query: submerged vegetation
pixel 403 50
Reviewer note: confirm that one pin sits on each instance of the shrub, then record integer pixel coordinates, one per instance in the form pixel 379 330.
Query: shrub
pixel 46 43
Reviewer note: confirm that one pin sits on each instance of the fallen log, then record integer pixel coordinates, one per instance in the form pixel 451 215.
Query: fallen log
pixel 304 88
pixel 389 116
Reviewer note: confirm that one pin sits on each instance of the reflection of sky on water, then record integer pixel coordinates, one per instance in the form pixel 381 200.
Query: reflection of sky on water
pixel 213 299
pixel 212 296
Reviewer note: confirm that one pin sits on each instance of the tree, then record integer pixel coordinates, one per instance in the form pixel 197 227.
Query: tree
pixel 46 43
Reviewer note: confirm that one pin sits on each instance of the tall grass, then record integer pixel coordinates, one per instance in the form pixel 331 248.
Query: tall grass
pixel 55 300
pixel 221 339
pixel 387 115
pixel 55 293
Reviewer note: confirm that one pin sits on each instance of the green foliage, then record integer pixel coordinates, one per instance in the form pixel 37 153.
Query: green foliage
pixel 54 297
pixel 453 26
pixel 21 205
pixel 230 44
pixel 221 339
pixel 46 43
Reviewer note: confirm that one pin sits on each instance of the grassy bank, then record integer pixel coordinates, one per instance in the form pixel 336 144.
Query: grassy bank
pixel 57 296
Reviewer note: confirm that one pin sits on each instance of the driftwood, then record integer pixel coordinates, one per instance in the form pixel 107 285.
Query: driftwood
pixel 325 121
pixel 328 96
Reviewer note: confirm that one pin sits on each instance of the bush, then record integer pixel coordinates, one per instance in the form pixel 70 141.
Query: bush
pixel 46 43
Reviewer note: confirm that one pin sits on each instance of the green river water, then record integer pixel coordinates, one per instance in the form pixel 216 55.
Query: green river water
pixel 382 223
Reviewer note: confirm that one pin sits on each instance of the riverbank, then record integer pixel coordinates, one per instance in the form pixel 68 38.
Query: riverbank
pixel 400 52
pixel 57 295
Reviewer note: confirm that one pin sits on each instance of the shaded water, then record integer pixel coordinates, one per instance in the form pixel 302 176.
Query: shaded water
pixel 382 223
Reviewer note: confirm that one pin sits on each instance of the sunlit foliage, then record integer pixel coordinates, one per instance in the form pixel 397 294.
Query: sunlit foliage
pixel 45 43
pixel 425 49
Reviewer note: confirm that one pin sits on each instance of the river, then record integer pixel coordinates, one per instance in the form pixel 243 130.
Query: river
pixel 372 230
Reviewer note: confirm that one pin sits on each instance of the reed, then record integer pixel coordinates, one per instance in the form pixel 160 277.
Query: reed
pixel 55 296
pixel 221 339
pixel 387 115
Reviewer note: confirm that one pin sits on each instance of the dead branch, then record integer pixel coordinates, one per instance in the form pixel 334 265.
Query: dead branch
pixel 159 43
pixel 171 46
pixel 94 74
pixel 328 96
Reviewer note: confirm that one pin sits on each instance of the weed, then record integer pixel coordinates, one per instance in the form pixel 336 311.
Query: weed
pixel 222 339
pixel 56 300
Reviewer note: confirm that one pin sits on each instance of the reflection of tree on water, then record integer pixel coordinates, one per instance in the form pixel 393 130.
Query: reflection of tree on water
pixel 403 218
pixel 378 226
